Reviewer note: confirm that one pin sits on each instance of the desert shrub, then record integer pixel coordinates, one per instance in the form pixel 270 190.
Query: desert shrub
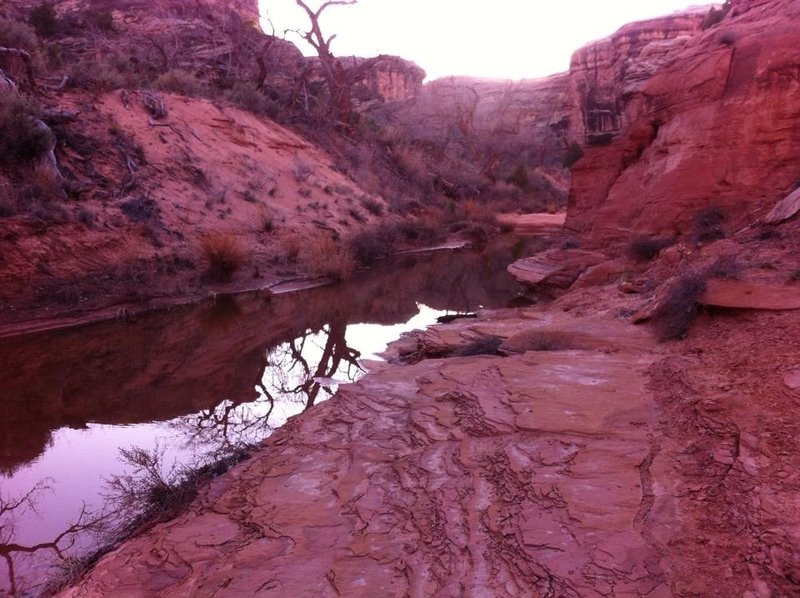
pixel 519 178
pixel 727 38
pixel 251 99
pixel 644 249
pixel 141 209
pixel 420 231
pixel 321 255
pixel 22 136
pixel 573 154
pixel 675 315
pixel 371 245
pixel 44 20
pixel 357 216
pixel 104 74
pixel 180 81
pixel 543 340
pixel 224 255
pixel 99 18
pixel 484 345
pixel 726 266
pixel 151 492
pixel 707 225
pixel 14 34
pixel 794 277
pixel 372 206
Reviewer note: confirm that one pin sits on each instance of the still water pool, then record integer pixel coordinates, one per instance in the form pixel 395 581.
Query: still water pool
pixel 195 382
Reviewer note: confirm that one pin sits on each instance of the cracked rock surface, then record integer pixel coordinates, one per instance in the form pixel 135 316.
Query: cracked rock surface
pixel 619 468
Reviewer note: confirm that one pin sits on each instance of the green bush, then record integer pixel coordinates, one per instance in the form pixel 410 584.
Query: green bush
pixel 21 138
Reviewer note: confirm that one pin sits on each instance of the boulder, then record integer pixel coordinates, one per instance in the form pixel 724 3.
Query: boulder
pixel 555 268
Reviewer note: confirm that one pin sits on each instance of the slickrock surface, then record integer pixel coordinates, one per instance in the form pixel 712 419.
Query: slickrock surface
pixel 625 469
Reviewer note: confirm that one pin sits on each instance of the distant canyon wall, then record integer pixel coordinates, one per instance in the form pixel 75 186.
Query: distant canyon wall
pixel 504 124
pixel 715 123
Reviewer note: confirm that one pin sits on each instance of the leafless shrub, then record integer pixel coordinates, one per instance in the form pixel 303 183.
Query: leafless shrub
pixel 370 245
pixel 372 206
pixel 678 310
pixel 484 345
pixel 153 492
pixel 22 136
pixel 707 225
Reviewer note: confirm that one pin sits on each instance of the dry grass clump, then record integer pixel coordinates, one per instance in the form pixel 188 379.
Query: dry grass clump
pixel 224 255
pixel 678 310
pixel 321 255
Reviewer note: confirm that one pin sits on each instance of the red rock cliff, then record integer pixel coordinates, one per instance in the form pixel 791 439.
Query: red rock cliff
pixel 715 124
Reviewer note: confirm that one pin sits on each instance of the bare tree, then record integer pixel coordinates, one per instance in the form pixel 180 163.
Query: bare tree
pixel 337 80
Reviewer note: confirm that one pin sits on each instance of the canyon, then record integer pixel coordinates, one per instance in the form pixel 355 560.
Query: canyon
pixel 631 432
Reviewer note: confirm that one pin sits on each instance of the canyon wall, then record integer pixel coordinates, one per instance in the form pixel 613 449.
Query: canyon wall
pixel 714 124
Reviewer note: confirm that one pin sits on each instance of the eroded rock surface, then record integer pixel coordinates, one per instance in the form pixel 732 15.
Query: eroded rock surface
pixel 608 466
pixel 480 475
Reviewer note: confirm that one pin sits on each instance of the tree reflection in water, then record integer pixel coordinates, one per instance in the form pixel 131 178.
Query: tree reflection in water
pixel 11 551
pixel 297 375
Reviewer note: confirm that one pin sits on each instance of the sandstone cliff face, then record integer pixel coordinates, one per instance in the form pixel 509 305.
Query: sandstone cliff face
pixel 501 115
pixel 715 124
pixel 605 74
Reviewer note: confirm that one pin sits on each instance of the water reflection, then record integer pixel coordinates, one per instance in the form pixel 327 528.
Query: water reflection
pixel 202 378
pixel 296 372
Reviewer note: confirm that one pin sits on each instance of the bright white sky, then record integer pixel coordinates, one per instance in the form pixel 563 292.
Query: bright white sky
pixel 509 39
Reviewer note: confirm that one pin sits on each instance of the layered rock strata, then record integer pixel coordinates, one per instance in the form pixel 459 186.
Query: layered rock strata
pixel 714 125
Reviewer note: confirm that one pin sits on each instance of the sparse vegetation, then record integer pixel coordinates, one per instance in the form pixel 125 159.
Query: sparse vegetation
pixel 14 34
pixel 321 255
pixel 180 81
pixel 483 345
pixel 644 249
pixel 725 267
pixel 519 178
pixel 22 136
pixel 224 256
pixel 373 206
pixel 707 225
pixel 44 20
pixel 794 277
pixel 152 492
pixel 371 245
pixel 678 310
